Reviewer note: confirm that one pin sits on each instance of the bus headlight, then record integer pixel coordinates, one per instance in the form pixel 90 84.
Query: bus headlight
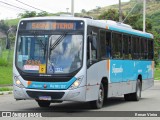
pixel 18 83
pixel 76 83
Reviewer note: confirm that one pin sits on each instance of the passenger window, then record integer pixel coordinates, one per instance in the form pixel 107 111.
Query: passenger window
pixel 117 46
pixel 105 43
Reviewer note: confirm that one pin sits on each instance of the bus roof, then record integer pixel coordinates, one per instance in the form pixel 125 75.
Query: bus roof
pixel 106 24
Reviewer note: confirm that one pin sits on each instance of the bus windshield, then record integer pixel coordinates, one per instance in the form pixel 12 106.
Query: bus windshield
pixel 49 54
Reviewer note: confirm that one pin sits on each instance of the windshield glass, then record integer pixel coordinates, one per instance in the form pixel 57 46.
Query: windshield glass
pixel 49 54
pixel 31 52
pixel 65 54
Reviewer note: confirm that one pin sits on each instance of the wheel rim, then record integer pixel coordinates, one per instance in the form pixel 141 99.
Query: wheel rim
pixel 100 96
pixel 138 91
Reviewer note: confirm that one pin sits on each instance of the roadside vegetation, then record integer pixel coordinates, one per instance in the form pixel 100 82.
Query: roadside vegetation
pixel 6 67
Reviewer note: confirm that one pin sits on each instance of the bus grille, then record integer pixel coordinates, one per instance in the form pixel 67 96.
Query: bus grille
pixel 37 94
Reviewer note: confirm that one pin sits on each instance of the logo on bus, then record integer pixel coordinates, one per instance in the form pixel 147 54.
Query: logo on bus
pixel 116 70
pixel 45 86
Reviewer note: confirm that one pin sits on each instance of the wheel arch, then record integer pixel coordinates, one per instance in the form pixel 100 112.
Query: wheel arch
pixel 140 78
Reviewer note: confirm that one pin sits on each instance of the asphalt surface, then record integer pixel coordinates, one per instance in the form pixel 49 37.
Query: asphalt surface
pixel 150 101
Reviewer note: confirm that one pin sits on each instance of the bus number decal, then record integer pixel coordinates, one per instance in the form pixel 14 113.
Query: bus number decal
pixel 33 62
pixel 31 67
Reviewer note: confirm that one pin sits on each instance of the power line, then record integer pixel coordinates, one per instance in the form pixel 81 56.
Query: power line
pixel 13 6
pixel 10 7
pixel 129 12
pixel 30 6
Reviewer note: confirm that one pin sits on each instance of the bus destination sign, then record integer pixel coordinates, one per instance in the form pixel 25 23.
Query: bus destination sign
pixel 51 25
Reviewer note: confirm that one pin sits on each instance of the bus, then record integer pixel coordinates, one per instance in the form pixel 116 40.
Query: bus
pixel 61 58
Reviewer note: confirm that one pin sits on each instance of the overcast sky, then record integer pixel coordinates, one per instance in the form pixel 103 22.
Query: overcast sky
pixel 53 6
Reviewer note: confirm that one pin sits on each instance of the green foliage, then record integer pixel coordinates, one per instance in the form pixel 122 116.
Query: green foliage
pixel 12 22
pixel 28 14
pixel 6 68
pixel 44 13
pixel 5 89
pixel 83 11
pixel 157 73
pixel 156 47
pixel 111 14
pixel 6 75
pixel 4 26
pixel 3 62
pixel 138 8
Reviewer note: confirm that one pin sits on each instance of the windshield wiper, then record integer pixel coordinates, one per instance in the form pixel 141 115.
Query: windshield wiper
pixel 59 40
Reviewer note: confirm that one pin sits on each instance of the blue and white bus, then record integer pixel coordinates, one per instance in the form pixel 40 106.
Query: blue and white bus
pixel 80 59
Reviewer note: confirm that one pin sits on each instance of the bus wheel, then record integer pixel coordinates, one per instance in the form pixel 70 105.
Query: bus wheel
pixel 137 95
pixel 97 104
pixel 127 97
pixel 43 103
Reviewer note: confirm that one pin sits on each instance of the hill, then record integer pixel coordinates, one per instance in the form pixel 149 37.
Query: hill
pixel 152 11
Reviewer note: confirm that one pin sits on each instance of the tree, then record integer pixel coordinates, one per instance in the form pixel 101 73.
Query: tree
pixel 83 11
pixel 28 14
pixel 44 13
pixel 156 46
pixel 111 14
pixel 4 27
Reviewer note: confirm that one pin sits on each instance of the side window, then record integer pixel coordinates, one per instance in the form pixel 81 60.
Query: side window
pixel 92 33
pixel 150 49
pixel 125 46
pixel 130 47
pixel 136 48
pixel 144 50
pixel 105 43
pixel 108 44
pixel 117 46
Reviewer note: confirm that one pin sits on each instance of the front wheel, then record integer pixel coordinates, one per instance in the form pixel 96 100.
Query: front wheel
pixel 43 103
pixel 97 104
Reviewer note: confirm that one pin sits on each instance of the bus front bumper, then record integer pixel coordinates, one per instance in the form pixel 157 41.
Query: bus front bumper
pixel 59 95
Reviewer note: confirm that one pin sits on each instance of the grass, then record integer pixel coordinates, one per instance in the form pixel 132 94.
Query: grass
pixel 5 75
pixel 6 68
pixel 157 74
pixel 5 89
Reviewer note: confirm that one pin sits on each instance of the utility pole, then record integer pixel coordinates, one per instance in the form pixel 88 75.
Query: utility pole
pixel 67 9
pixel 120 11
pixel 72 7
pixel 144 15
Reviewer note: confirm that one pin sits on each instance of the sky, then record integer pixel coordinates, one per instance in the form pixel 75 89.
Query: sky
pixel 51 6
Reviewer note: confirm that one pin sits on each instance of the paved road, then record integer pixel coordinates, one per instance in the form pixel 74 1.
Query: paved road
pixel 150 101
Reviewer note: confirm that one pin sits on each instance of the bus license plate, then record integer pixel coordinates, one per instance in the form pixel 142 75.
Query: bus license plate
pixel 44 97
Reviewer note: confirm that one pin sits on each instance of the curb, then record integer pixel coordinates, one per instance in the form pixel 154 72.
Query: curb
pixel 156 80
pixel 6 92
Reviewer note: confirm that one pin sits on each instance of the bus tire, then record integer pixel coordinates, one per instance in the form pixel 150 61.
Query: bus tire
pixel 137 95
pixel 97 104
pixel 127 97
pixel 43 103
